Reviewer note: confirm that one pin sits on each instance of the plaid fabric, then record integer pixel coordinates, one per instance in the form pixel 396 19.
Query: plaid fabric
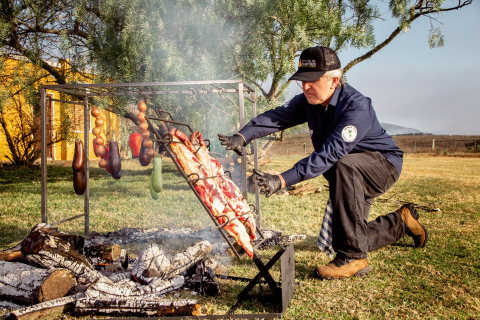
pixel 324 241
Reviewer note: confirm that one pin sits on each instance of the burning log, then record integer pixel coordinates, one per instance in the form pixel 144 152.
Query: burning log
pixel 12 254
pixel 151 263
pixel 137 307
pixel 103 255
pixel 184 260
pixel 49 248
pixel 42 310
pixel 15 253
pixel 117 277
pixel 202 279
pixel 28 285
pixel 8 305
pixel 130 289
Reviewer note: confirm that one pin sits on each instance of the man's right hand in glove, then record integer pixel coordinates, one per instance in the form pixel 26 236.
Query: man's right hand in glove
pixel 271 183
pixel 235 142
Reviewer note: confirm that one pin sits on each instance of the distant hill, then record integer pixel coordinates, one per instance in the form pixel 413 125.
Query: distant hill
pixel 393 129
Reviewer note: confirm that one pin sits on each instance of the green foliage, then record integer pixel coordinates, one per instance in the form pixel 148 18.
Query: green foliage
pixel 20 112
pixel 435 38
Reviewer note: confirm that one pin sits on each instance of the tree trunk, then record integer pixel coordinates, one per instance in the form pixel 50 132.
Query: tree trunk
pixel 137 307
pixel 29 285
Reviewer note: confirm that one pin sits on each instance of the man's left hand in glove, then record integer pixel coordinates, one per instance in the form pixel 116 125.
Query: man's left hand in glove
pixel 271 183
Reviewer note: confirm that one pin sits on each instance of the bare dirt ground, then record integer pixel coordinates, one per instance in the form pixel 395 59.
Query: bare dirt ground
pixel 442 145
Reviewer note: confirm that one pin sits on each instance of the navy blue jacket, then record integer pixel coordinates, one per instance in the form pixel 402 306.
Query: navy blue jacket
pixel 349 125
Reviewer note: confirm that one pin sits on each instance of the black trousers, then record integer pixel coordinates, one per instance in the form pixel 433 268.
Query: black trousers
pixel 355 180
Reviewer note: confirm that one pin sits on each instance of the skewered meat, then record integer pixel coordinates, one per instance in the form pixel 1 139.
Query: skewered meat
pixel 232 193
pixel 208 190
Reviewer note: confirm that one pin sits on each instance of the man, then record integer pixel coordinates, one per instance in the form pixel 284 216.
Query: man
pixel 353 152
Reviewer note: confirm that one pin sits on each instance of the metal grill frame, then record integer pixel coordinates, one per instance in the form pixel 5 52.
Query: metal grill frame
pixel 139 89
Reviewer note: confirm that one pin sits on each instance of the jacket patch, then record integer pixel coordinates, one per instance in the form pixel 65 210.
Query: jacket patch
pixel 349 133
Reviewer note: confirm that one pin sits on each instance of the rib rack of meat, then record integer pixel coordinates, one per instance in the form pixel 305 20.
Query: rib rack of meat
pixel 218 194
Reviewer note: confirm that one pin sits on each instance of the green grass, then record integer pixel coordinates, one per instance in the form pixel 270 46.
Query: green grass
pixel 439 281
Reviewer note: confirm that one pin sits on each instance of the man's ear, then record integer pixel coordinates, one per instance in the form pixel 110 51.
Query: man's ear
pixel 334 82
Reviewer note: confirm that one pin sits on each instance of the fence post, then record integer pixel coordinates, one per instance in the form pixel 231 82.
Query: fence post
pixel 415 147
pixel 433 144
pixel 475 146
pixel 304 148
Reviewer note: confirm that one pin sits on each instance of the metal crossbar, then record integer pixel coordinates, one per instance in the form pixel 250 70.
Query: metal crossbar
pixel 145 89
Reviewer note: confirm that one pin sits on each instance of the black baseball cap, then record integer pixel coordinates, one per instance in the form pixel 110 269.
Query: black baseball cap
pixel 314 63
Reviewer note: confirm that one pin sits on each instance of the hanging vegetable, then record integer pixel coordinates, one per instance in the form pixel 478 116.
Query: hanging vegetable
pixel 78 156
pixel 114 163
pixel 142 157
pixel 135 143
pixel 157 183
pixel 79 180
pixel 106 157
pixel 155 195
pixel 142 107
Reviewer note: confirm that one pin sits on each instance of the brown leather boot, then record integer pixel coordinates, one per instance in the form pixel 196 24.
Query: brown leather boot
pixel 342 269
pixel 412 227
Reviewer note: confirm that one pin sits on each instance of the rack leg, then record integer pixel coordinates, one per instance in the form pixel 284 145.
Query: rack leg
pixel 262 274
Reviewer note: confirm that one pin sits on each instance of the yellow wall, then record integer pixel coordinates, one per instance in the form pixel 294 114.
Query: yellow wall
pixel 63 150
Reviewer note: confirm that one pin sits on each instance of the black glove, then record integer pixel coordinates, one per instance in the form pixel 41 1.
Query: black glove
pixel 271 183
pixel 235 142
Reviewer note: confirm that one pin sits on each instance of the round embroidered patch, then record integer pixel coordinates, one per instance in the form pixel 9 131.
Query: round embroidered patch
pixel 349 133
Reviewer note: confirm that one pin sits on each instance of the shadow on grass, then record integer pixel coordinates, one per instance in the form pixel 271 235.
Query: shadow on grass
pixel 11 233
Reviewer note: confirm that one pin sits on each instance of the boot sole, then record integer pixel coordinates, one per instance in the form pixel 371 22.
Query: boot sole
pixel 360 273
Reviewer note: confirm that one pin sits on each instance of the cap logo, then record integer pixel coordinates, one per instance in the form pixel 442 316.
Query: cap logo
pixel 307 63
pixel 349 133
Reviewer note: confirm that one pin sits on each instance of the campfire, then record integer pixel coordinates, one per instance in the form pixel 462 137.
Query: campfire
pixel 54 272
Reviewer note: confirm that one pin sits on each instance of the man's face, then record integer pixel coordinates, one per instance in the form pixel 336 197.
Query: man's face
pixel 320 91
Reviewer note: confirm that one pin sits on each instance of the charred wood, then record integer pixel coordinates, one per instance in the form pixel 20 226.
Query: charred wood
pixel 130 289
pixel 49 239
pixel 42 310
pixel 191 256
pixel 137 307
pixel 83 271
pixel 29 285
pixel 201 278
pixel 151 263
pixel 275 238
pixel 103 252
pixel 9 305
pixel 12 254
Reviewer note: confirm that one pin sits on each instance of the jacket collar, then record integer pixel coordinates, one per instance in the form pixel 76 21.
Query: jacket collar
pixel 335 96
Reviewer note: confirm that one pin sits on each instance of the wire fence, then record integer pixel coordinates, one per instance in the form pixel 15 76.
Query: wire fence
pixel 300 144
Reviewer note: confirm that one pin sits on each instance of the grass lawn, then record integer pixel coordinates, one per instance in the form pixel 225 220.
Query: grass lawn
pixel 441 280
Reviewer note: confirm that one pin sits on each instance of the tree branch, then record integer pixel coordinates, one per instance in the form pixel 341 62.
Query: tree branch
pixel 395 33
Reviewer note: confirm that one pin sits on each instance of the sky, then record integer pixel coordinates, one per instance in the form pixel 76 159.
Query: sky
pixel 411 85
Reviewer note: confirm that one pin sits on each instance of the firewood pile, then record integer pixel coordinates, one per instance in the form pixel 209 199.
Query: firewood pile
pixel 53 272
